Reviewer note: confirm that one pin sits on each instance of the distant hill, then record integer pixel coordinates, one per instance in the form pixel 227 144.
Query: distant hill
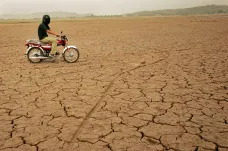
pixel 209 9
pixel 40 15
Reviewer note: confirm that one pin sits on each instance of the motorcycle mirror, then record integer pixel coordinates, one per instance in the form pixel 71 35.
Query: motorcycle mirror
pixel 61 32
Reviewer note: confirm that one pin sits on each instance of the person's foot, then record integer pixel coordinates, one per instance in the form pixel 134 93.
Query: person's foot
pixel 57 53
pixel 51 56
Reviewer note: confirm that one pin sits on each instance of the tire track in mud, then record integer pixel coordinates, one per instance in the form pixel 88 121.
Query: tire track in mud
pixel 75 135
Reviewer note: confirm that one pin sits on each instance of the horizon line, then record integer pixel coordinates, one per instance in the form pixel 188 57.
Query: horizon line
pixel 24 13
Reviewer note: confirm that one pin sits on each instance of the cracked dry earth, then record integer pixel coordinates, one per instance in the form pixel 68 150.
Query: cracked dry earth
pixel 141 84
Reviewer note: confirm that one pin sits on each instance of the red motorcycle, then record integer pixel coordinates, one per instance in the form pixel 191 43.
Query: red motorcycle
pixel 38 51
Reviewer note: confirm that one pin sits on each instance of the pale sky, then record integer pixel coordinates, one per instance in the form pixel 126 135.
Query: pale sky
pixel 98 7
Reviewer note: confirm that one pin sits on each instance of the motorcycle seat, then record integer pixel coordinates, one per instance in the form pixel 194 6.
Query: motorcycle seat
pixel 38 42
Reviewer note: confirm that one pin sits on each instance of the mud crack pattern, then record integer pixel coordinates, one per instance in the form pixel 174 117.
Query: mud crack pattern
pixel 140 84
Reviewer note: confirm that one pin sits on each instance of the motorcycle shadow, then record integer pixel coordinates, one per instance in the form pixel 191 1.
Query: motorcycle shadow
pixel 53 60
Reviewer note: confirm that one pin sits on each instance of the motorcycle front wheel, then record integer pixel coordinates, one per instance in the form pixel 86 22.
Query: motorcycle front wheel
pixel 33 53
pixel 71 55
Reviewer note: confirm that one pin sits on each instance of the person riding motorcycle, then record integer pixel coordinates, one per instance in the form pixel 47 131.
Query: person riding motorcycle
pixel 43 31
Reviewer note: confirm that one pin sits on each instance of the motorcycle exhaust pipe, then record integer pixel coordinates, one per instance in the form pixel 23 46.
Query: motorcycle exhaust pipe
pixel 38 57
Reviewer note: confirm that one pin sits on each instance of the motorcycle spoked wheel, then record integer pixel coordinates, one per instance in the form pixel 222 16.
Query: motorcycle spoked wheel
pixel 34 52
pixel 71 55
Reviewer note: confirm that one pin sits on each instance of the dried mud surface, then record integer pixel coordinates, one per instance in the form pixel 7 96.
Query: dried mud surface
pixel 141 84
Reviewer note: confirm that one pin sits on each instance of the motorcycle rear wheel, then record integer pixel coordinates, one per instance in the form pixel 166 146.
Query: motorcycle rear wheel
pixel 71 55
pixel 34 52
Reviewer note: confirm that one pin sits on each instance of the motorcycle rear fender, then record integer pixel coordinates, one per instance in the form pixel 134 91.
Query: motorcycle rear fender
pixel 69 47
pixel 34 47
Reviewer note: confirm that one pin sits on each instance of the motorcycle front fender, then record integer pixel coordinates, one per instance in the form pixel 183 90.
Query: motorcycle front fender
pixel 69 47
